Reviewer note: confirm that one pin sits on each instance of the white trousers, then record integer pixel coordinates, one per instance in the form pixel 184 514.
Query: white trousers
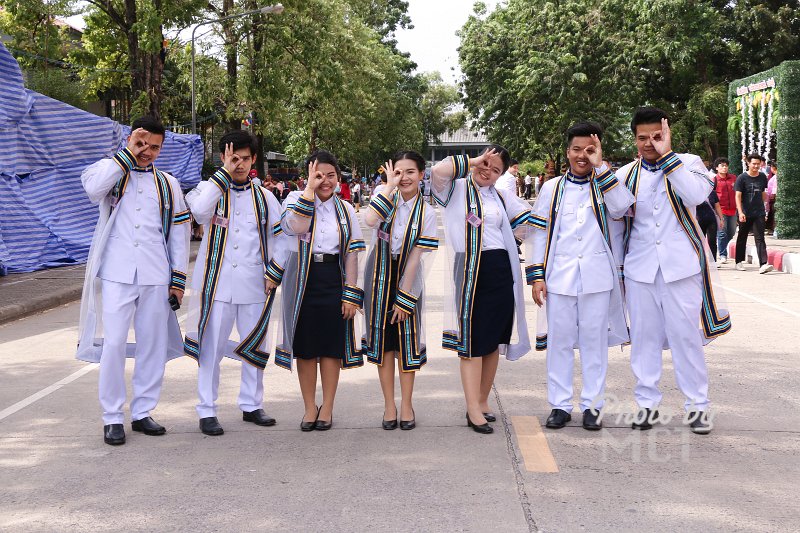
pixel 212 349
pixel 577 321
pixel 148 307
pixel 670 311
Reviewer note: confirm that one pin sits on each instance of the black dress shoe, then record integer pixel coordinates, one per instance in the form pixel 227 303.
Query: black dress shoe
pixel 114 434
pixel 210 426
pixel 590 420
pixel 409 424
pixel 558 419
pixel 645 419
pixel 699 423
pixel 490 417
pixel 389 424
pixel 323 425
pixel 148 426
pixel 480 428
pixel 309 426
pixel 259 418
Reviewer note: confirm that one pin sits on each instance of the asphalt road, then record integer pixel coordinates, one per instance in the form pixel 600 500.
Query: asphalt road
pixel 58 475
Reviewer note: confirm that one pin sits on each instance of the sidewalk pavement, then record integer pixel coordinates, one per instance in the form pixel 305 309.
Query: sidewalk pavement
pixel 783 254
pixel 33 292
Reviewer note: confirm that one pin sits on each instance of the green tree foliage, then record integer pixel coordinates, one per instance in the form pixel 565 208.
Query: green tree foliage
pixel 534 66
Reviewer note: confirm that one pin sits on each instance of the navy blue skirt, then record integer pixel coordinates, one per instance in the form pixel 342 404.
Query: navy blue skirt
pixel 493 307
pixel 320 329
pixel 391 332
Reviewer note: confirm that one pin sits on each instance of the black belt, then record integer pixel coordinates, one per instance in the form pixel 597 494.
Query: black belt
pixel 325 258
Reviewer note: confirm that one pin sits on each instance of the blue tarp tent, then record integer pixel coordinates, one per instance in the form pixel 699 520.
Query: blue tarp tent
pixel 46 219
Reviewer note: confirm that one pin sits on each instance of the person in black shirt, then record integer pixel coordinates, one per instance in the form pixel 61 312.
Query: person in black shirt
pixel 751 194
pixel 709 214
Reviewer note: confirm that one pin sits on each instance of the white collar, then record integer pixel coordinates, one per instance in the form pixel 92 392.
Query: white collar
pixel 401 201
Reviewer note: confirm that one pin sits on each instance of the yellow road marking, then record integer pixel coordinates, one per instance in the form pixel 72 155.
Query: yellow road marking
pixel 533 445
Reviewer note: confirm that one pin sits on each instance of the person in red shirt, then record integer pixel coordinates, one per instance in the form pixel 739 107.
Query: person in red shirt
pixel 344 192
pixel 723 185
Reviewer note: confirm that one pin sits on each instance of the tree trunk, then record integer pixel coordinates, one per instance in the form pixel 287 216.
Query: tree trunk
pixel 231 66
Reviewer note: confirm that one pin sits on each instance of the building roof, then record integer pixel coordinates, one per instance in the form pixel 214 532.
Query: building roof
pixel 461 137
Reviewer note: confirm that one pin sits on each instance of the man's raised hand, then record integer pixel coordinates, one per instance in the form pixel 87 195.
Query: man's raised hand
pixel 138 141
pixel 594 152
pixel 229 159
pixel 662 142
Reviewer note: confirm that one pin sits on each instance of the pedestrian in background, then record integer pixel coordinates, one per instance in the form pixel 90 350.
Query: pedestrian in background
pixel 751 196
pixel 724 187
pixel 772 192
pixel 709 217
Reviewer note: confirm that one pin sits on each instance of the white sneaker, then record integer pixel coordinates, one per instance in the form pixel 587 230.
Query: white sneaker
pixel 766 267
pixel 723 260
pixel 740 266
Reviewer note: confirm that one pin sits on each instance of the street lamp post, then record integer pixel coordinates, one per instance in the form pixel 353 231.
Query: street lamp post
pixel 276 9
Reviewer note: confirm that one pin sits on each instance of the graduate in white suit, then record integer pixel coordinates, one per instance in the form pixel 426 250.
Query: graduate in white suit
pixel 234 281
pixel 137 262
pixel 571 264
pixel 668 283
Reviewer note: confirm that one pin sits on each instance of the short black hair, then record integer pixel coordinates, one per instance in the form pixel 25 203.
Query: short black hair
pixel 720 160
pixel 647 115
pixel 323 156
pixel 240 139
pixel 502 152
pixel 512 162
pixel 754 155
pixel 584 128
pixel 411 155
pixel 149 123
pixel 773 163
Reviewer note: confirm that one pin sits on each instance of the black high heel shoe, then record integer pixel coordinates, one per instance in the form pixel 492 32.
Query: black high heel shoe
pixel 490 417
pixel 484 429
pixel 309 426
pixel 323 425
pixel 389 424
pixel 409 424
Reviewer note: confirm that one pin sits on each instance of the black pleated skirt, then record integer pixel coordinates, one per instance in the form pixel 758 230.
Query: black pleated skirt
pixel 493 308
pixel 391 332
pixel 320 329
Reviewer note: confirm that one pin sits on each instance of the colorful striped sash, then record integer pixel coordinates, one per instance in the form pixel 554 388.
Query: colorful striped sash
pixel 713 322
pixel 249 348
pixel 460 341
pixel 353 356
pixel 382 302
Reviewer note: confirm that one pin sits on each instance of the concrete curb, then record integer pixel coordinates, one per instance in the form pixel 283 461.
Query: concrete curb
pixel 782 261
pixel 40 303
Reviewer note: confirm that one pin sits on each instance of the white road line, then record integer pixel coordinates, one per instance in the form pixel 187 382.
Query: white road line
pixel 46 391
pixel 763 302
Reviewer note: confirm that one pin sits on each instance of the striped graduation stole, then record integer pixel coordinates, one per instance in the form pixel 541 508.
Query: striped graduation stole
pixel 599 209
pixel 353 356
pixel 714 324
pixel 460 341
pixel 248 349
pixel 165 200
pixel 382 300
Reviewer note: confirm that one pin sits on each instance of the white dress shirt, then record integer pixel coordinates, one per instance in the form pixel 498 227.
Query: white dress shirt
pixel 135 250
pixel 580 262
pixel 401 219
pixel 507 184
pixel 657 239
pixel 493 217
